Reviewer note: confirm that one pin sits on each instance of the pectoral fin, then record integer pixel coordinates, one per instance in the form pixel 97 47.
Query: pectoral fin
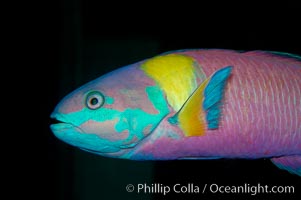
pixel 202 109
pixel 214 93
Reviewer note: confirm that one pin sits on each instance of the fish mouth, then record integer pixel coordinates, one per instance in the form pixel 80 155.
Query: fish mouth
pixel 74 135
pixel 59 124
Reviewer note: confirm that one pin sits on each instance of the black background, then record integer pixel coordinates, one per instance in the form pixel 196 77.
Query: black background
pixel 82 40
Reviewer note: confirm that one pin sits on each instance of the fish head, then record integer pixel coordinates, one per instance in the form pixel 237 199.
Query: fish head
pixel 111 114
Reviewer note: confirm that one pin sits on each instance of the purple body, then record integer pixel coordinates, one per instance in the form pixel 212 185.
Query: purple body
pixel 191 104
pixel 261 115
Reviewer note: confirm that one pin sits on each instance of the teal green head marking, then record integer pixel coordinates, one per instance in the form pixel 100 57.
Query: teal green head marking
pixel 110 118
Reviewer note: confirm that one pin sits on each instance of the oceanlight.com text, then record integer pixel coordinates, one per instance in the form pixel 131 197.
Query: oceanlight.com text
pixel 213 188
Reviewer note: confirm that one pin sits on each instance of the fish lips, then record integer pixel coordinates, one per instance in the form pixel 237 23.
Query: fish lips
pixel 75 136
pixel 61 127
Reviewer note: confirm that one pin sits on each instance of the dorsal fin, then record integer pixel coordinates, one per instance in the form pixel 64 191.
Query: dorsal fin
pixel 286 55
pixel 203 105
pixel 280 56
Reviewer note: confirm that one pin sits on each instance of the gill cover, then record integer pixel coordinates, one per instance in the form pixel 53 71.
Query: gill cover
pixel 197 107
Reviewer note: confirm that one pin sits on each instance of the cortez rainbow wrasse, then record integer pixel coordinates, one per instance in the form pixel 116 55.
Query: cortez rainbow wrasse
pixel 191 104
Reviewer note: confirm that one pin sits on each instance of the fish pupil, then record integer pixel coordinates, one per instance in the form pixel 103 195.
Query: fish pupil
pixel 94 101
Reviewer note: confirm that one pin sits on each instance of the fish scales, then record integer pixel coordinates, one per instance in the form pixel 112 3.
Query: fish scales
pixel 275 122
pixel 191 104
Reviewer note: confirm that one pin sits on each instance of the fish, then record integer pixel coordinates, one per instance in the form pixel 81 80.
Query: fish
pixel 190 104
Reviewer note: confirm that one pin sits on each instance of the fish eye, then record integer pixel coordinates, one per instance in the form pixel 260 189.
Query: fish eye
pixel 94 100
